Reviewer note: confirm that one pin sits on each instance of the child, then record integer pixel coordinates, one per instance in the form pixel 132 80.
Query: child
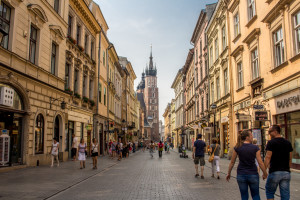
pixel 256 163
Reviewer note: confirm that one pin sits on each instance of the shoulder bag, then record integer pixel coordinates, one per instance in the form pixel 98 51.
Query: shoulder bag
pixel 212 156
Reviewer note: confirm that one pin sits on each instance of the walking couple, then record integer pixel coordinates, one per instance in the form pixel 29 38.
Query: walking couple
pixel 278 160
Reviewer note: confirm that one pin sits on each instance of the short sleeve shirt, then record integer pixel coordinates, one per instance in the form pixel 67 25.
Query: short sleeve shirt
pixel 280 160
pixel 74 143
pixel 200 145
pixel 247 155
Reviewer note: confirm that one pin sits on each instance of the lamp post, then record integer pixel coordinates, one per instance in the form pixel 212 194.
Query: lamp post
pixel 62 104
pixel 213 107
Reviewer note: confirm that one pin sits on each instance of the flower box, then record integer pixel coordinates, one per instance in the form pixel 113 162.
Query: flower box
pixel 76 95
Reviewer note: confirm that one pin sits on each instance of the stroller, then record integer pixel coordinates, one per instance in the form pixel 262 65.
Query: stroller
pixel 183 152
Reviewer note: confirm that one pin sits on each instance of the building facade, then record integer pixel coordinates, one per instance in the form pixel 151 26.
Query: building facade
pixel 219 70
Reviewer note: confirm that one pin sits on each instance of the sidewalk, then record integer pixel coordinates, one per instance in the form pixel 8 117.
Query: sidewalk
pixel 43 181
pixel 224 163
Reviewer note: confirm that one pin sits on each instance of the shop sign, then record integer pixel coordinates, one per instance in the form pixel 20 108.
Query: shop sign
pixel 261 116
pixel 258 107
pixel 208 129
pixel 4 149
pixel 243 118
pixel 288 102
pixel 224 119
pixel 88 127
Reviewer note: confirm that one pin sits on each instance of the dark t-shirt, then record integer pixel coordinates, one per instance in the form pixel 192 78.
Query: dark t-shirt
pixel 280 160
pixel 247 155
pixel 200 145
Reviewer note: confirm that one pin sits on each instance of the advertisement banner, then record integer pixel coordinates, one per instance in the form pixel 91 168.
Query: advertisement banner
pixel 257 134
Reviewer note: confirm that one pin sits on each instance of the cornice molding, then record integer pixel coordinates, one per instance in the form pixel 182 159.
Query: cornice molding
pixel 252 36
pixel 233 5
pixel 38 11
pixel 237 51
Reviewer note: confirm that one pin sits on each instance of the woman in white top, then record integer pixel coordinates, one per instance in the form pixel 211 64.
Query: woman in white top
pixel 94 151
pixel 81 153
pixel 54 152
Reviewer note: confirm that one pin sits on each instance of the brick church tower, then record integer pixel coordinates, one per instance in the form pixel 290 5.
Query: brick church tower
pixel 147 92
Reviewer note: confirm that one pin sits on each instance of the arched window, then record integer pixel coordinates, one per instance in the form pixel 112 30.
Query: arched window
pixel 39 134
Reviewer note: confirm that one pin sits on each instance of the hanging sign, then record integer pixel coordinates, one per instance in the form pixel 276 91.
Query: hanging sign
pixel 261 115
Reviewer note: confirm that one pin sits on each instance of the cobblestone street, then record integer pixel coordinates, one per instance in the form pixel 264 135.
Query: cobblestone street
pixel 137 177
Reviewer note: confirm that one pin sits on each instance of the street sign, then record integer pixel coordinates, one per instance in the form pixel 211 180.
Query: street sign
pixel 261 115
pixel 258 107
pixel 208 129
pixel 213 106
pixel 244 118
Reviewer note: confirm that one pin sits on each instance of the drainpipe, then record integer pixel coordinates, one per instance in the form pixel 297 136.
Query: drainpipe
pixel 108 83
pixel 99 58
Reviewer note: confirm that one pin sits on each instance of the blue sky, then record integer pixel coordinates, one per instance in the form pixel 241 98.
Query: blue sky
pixel 166 24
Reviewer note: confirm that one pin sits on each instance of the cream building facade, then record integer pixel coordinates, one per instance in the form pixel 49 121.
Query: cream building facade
pixel 219 76
pixel 177 85
pixel 265 59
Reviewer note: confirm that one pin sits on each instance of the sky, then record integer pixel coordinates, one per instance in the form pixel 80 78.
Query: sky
pixel 166 24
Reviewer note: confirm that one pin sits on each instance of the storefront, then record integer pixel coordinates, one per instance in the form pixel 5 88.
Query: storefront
pixel 286 113
pixel 12 119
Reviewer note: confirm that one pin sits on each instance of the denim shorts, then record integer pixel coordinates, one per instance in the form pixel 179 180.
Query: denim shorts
pixel 281 178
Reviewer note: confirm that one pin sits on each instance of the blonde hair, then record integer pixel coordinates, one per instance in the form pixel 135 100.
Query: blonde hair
pixel 254 141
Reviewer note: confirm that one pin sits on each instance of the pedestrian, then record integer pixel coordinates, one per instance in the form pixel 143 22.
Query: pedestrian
pixel 74 147
pixel 165 146
pixel 152 146
pixel 81 153
pixel 278 159
pixel 133 147
pixel 247 175
pixel 130 147
pixel 160 148
pixel 215 164
pixel 168 147
pixel 114 149
pixel 144 146
pixel 95 150
pixel 54 152
pixel 198 155
pixel 120 149
pixel 256 163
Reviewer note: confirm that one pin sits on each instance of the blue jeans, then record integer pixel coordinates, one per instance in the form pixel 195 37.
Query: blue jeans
pixel 251 181
pixel 281 178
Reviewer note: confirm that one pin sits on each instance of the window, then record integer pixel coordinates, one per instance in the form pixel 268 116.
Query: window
pixel 200 47
pixel 100 92
pixel 240 75
pixel 211 57
pixel 91 89
pixel 202 104
pixel 297 31
pixel 53 59
pixel 56 5
pixel 278 47
pixel 236 25
pixel 104 58
pixel 212 92
pixel 216 49
pixel 39 134
pixel 254 64
pixel 67 76
pixel 251 9
pixel 207 102
pixel 5 21
pixel 84 82
pixel 81 130
pixel 70 21
pixel 86 43
pixel 224 38
pixel 218 88
pixel 92 50
pixel 32 47
pixel 76 74
pixel 225 81
pixel 201 72
pixel 78 34
pixel 104 96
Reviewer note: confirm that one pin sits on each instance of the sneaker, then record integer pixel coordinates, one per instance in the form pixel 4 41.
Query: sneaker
pixel 202 177
pixel 196 175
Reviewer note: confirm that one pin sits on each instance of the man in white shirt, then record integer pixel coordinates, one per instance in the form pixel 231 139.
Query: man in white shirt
pixel 74 147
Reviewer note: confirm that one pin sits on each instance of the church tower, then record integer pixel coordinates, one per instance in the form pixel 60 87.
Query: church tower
pixel 148 92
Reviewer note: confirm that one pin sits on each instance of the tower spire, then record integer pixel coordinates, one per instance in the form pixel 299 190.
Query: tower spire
pixel 151 60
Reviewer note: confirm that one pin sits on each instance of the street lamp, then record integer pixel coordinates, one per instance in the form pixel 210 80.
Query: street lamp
pixel 62 104
pixel 213 107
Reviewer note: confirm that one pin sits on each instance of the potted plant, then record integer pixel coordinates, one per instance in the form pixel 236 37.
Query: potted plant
pixel 72 40
pixel 85 99
pixel 77 95
pixel 69 91
pixel 92 103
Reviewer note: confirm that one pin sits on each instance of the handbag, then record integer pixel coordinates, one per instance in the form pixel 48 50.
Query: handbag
pixel 212 156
